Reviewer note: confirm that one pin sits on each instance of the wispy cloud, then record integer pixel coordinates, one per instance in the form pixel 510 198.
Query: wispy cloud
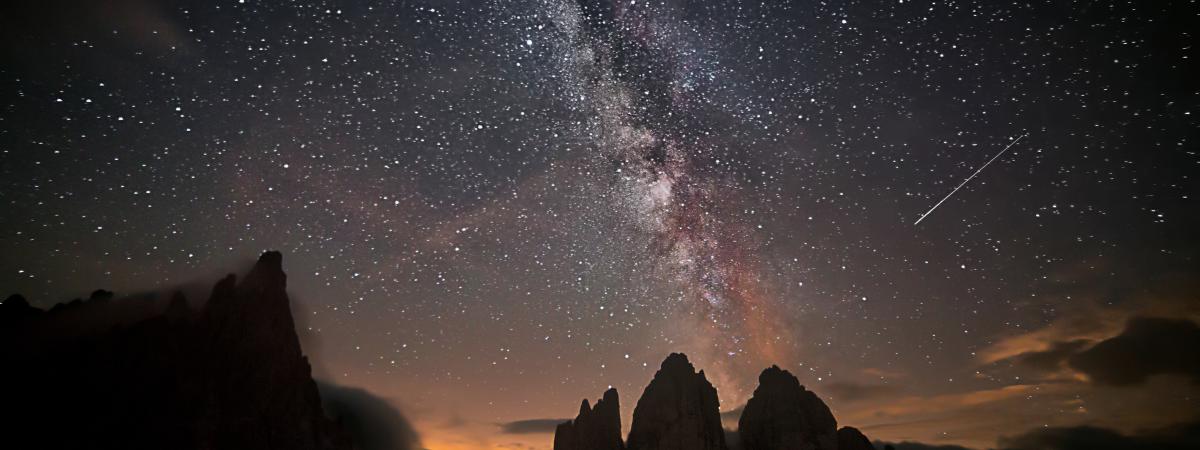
pixel 530 426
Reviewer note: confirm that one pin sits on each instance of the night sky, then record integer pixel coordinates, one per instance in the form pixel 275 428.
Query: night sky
pixel 490 210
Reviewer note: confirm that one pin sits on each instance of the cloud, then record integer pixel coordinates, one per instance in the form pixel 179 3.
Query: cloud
pixel 1147 347
pixel 1086 324
pixel 373 423
pixel 1098 314
pixel 875 372
pixel 1178 437
pixel 915 446
pixel 910 405
pixel 1037 377
pixel 733 415
pixel 531 426
pixel 1052 359
pixel 733 439
pixel 849 392
pixel 965 418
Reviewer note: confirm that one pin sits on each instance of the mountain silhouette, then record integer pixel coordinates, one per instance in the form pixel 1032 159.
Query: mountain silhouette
pixel 595 428
pixel 782 415
pixel 679 411
pixel 139 373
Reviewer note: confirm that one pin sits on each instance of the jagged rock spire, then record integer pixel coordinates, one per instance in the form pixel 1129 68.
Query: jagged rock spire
pixel 229 374
pixel 678 411
pixel 597 428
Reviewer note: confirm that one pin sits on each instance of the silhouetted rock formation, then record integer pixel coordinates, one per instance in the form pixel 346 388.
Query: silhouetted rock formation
pixel 15 311
pixel 597 428
pixel 678 411
pixel 849 438
pixel 138 374
pixel 782 415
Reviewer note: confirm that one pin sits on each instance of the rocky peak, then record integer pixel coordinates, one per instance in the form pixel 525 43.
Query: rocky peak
pixel 679 410
pixel 268 272
pixel 677 364
pixel 15 309
pixel 595 428
pixel 17 305
pixel 129 373
pixel 255 310
pixel 782 415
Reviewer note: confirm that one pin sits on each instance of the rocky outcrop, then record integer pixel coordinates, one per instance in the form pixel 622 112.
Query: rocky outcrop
pixel 678 411
pixel 15 310
pixel 849 438
pixel 142 373
pixel 595 428
pixel 782 415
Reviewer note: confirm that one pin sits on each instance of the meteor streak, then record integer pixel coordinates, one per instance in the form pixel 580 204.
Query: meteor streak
pixel 964 183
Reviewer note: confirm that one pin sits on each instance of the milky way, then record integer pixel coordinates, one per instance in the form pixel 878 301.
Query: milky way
pixel 638 72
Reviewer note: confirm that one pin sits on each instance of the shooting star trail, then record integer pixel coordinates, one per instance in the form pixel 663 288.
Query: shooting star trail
pixel 964 183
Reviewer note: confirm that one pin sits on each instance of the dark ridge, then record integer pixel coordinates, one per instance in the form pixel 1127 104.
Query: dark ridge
pixel 139 373
pixel 595 428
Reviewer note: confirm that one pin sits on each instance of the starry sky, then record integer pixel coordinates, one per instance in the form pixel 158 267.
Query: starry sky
pixel 492 209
